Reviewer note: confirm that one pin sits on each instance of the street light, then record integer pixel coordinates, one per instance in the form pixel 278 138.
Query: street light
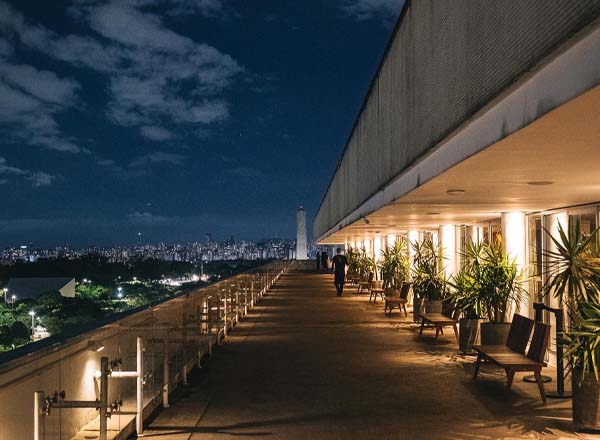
pixel 120 292
pixel 32 314
pixel 5 293
pixel 12 304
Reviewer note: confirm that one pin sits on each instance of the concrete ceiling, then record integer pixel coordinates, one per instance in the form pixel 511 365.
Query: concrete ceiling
pixel 561 148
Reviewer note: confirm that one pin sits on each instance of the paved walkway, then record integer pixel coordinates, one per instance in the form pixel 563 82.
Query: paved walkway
pixel 306 364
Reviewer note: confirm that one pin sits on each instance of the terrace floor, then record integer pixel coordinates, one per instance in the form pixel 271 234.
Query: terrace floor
pixel 305 364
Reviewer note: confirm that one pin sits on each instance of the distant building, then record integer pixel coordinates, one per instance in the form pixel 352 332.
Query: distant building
pixel 36 286
pixel 301 253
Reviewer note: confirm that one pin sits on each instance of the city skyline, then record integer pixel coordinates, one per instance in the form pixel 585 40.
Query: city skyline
pixel 170 118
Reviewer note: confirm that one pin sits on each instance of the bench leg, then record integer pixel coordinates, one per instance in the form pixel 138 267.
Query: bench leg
pixel 510 375
pixel 477 366
pixel 438 329
pixel 540 382
pixel 422 326
pixel 455 332
pixel 404 307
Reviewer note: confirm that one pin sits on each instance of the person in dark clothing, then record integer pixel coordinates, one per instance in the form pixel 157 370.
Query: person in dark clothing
pixel 338 266
pixel 318 261
pixel 324 260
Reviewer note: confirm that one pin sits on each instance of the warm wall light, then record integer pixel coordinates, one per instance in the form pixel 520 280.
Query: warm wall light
pixel 96 346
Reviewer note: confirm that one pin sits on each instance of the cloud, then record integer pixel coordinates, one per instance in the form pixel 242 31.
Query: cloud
pixel 43 85
pixel 31 98
pixel 154 74
pixel 157 158
pixel 41 179
pixel 37 178
pixel 385 10
pixel 155 133
pixel 148 218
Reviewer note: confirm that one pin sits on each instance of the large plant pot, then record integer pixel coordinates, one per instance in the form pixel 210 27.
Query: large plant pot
pixel 467 334
pixel 493 333
pixel 416 308
pixel 433 306
pixel 586 400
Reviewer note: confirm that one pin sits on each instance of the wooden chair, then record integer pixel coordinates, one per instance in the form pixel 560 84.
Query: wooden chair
pixel 376 289
pixel 397 301
pixel 513 361
pixel 366 285
pixel 440 320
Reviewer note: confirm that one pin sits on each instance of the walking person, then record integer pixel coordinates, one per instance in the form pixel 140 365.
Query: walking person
pixel 324 260
pixel 338 267
pixel 318 261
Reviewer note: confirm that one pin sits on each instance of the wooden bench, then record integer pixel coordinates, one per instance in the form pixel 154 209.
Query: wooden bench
pixel 376 289
pixel 511 357
pixel 397 301
pixel 440 320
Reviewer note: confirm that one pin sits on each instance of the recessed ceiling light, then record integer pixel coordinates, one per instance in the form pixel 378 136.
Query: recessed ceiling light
pixel 455 192
pixel 433 213
pixel 540 183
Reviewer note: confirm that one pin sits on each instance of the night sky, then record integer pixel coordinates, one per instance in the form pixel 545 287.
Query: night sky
pixel 175 118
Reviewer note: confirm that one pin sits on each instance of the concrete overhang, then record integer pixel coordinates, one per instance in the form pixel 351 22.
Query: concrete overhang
pixel 544 128
pixel 551 163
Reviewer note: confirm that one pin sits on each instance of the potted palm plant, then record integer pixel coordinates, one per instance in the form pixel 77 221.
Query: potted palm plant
pixel 574 278
pixel 353 262
pixel 394 267
pixel 365 264
pixel 465 296
pixel 429 283
pixel 498 285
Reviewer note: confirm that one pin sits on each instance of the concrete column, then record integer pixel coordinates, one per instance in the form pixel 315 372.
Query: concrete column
pixel 391 240
pixel 514 244
pixel 413 237
pixel 447 239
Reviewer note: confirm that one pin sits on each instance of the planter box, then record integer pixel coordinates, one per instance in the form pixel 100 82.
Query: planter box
pixel 586 401
pixel 467 334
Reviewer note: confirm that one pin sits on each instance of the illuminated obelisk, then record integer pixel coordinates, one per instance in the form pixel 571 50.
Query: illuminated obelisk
pixel 301 251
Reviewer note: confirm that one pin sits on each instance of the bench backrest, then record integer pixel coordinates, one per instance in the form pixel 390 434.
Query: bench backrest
pixel 539 342
pixel 377 284
pixel 404 290
pixel 518 335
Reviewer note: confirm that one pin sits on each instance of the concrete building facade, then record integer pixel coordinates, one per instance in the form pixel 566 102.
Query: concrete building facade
pixel 482 120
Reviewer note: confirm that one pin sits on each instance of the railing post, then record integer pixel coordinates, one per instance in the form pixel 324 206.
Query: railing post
pixel 225 316
pixel 165 391
pixel 38 419
pixel 139 417
pixel 237 304
pixel 103 397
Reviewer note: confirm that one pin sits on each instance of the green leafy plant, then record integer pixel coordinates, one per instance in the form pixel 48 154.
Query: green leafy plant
pixel 394 265
pixel 428 273
pixel 352 256
pixel 488 283
pixel 465 286
pixel 574 278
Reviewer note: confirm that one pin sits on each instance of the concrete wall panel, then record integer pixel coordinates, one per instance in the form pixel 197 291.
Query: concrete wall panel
pixel 446 60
